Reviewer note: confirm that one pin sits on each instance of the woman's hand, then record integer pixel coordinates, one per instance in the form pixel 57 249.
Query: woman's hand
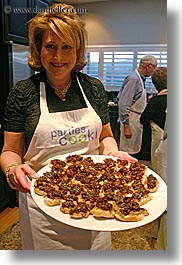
pixel 19 177
pixel 124 155
pixel 108 145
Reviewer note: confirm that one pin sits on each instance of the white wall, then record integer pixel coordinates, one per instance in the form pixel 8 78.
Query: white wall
pixel 126 22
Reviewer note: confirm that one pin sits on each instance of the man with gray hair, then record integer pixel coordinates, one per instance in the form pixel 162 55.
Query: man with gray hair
pixel 132 101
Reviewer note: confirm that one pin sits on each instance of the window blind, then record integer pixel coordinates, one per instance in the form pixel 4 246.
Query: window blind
pixel 111 64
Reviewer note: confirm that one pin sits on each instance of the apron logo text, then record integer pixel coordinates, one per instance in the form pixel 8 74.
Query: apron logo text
pixel 72 136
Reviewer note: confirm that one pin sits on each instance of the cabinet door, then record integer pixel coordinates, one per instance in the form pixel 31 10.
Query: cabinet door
pixel 16 14
pixel 42 3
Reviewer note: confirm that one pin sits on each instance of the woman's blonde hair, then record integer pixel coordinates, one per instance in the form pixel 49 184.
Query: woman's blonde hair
pixel 62 20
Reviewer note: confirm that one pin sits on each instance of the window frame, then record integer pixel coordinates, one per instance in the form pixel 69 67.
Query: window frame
pixel 158 50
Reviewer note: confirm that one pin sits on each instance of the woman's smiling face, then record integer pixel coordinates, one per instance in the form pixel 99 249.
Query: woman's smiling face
pixel 57 57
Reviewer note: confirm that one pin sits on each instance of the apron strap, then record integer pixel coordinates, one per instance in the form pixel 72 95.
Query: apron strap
pixel 140 79
pixel 84 96
pixel 43 102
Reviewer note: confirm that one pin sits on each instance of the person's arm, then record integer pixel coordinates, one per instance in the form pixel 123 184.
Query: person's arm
pixel 108 145
pixel 11 162
pixel 124 105
pixel 126 100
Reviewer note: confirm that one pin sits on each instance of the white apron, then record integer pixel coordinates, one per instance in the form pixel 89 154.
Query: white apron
pixel 160 167
pixel 133 145
pixel 70 132
pixel 160 155
pixel 157 134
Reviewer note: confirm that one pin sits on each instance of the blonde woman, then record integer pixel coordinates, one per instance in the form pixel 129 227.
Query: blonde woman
pixel 42 113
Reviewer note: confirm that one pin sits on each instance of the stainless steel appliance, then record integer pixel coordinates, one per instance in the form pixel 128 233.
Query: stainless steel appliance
pixel 18 62
pixel 17 69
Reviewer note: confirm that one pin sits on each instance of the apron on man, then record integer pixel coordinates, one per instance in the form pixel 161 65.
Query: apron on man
pixel 69 132
pixel 133 145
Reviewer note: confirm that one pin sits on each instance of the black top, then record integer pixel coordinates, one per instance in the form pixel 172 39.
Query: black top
pixel 22 110
pixel 155 111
